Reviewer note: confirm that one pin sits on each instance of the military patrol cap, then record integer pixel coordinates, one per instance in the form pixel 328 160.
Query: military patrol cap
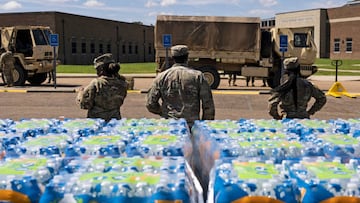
pixel 179 50
pixel 103 59
pixel 291 63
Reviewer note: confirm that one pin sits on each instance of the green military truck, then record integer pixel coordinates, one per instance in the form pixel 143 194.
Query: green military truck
pixel 32 51
pixel 222 45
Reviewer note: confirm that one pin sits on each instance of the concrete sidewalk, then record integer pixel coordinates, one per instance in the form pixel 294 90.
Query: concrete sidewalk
pixel 153 75
pixel 70 83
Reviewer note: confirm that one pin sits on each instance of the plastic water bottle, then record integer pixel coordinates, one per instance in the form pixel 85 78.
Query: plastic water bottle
pixel 81 127
pixel 68 198
pixel 352 190
pixel 163 192
pixel 267 190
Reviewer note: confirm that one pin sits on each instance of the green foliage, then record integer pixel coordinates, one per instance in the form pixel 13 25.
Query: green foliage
pixel 327 67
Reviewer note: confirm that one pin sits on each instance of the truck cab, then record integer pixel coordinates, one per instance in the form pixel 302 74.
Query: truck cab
pixel 301 44
pixel 32 52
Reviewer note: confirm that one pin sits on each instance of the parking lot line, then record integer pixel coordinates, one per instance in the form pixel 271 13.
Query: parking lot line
pixel 13 90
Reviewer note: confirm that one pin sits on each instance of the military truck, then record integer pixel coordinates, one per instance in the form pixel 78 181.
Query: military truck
pixel 32 51
pixel 221 45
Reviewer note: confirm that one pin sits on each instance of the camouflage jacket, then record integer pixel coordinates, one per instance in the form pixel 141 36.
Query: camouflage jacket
pixel 103 97
pixel 7 59
pixel 286 105
pixel 182 90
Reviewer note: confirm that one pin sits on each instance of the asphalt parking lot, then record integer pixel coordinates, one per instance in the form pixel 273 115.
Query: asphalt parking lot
pixel 232 102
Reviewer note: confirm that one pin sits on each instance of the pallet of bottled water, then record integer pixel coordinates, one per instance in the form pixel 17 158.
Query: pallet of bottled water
pixel 325 180
pixel 250 180
pixel 22 179
pixel 94 137
pixel 124 179
pixel 128 160
pixel 308 180
pixel 273 140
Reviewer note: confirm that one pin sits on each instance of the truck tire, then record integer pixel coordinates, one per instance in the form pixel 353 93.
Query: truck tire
pixel 211 75
pixel 37 78
pixel 19 75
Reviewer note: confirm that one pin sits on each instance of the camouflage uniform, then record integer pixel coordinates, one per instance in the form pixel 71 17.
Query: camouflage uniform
pixel 103 97
pixel 7 62
pixel 181 90
pixel 289 108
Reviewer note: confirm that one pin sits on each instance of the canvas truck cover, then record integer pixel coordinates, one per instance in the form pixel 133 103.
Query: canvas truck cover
pixel 227 38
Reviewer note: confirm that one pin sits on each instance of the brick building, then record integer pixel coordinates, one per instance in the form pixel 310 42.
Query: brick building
pixel 344 31
pixel 82 38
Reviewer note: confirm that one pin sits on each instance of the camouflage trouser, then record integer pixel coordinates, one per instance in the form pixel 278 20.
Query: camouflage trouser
pixel 8 75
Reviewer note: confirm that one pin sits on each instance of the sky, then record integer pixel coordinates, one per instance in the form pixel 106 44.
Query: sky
pixel 145 11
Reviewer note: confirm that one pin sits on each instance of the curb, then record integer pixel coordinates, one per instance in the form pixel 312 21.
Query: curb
pixel 140 91
pixel 37 90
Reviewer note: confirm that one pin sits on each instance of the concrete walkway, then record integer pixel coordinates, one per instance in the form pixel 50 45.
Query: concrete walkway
pixel 153 75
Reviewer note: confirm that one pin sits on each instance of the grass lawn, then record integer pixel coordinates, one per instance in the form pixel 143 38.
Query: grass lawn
pixel 125 68
pixel 324 65
pixel 327 67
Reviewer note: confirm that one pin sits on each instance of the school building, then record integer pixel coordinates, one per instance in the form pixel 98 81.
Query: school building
pixel 83 38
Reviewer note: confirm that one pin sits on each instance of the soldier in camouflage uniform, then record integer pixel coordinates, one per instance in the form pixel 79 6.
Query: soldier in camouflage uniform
pixel 292 96
pixel 182 90
pixel 104 95
pixel 7 61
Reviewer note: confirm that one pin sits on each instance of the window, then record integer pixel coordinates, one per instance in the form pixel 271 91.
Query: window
pixel 108 48
pixel 150 49
pixel 272 22
pixel 123 49
pixel 23 42
pixel 300 40
pixel 47 34
pixel 130 48
pixel 39 37
pixel 348 45
pixel 83 47
pixel 101 48
pixel 92 48
pixel 136 49
pixel 73 46
pixel 336 45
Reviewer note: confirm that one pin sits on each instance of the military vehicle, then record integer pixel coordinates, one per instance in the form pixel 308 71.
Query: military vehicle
pixel 220 45
pixel 32 52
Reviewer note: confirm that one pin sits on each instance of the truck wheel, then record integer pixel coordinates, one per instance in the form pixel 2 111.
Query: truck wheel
pixel 212 76
pixel 19 75
pixel 37 78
